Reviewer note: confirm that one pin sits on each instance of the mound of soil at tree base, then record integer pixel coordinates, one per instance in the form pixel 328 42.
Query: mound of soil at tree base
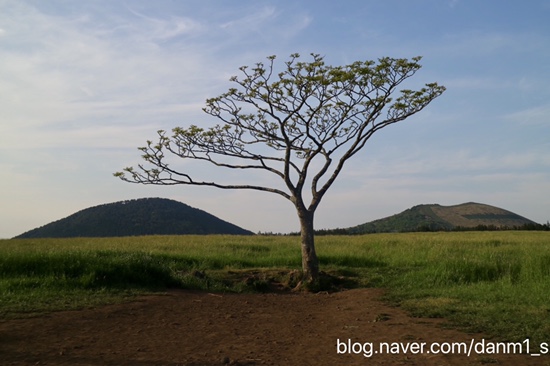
pixel 198 328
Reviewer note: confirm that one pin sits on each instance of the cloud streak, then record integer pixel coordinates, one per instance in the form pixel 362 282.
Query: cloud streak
pixel 539 115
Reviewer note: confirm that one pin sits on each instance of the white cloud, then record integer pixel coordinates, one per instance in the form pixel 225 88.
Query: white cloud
pixel 299 24
pixel 539 115
pixel 251 22
pixel 268 25
pixel 157 29
pixel 75 76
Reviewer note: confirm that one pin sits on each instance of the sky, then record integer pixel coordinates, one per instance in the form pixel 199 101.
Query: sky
pixel 84 83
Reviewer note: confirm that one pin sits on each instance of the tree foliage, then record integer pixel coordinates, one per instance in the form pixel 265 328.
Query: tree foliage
pixel 300 124
pixel 310 110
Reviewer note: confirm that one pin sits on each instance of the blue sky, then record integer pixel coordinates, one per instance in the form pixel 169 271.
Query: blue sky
pixel 84 83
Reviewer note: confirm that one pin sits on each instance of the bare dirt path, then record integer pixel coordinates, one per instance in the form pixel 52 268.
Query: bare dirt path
pixel 198 328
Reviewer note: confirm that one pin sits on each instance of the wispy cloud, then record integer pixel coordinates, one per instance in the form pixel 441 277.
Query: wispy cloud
pixel 539 115
pixel 299 23
pixel 251 22
pixel 163 29
pixel 74 73
pixel 270 23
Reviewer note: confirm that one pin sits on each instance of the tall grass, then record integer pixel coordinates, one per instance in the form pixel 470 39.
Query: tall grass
pixel 496 282
pixel 50 274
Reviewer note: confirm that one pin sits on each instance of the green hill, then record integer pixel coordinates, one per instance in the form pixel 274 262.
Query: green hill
pixel 436 217
pixel 146 216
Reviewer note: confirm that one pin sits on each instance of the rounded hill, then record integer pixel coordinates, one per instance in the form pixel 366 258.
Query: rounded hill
pixel 434 217
pixel 146 216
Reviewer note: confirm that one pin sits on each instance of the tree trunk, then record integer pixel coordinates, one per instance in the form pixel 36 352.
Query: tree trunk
pixel 310 263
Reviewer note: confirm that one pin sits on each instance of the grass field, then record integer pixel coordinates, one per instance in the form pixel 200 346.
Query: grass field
pixel 494 282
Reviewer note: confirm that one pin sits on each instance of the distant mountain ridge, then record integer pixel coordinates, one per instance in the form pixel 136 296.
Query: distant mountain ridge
pixel 434 217
pixel 145 216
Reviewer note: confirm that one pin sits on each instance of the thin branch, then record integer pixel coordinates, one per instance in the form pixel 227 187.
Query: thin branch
pixel 308 111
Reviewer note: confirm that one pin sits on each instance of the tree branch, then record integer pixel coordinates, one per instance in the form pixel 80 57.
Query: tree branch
pixel 271 121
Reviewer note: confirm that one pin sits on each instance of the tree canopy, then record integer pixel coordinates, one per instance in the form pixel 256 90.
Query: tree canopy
pixel 300 124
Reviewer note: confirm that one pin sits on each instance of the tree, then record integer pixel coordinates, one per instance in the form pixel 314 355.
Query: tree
pixel 300 125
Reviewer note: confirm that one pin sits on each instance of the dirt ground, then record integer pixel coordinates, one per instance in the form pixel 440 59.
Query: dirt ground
pixel 198 328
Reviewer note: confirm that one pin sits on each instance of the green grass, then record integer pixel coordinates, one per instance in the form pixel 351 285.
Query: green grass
pixel 494 282
pixel 39 275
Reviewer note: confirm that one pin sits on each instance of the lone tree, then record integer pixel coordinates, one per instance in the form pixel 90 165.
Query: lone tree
pixel 300 125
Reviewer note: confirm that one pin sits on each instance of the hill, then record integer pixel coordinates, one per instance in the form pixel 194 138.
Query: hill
pixel 146 216
pixel 435 217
